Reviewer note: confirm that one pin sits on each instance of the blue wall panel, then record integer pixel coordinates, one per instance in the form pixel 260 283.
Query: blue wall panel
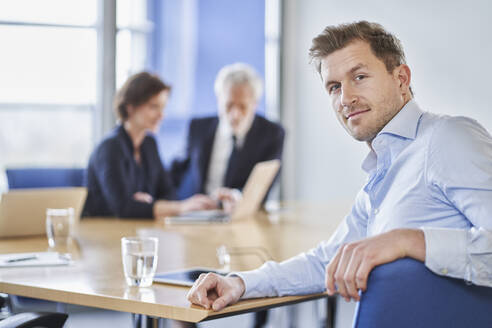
pixel 192 40
pixel 229 31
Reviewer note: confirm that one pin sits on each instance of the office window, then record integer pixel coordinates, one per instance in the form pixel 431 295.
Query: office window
pixel 64 12
pixel 48 64
pixel 132 38
pixel 50 72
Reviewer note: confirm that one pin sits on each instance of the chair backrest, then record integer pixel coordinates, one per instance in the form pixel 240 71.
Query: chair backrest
pixel 45 177
pixel 405 293
pixel 35 320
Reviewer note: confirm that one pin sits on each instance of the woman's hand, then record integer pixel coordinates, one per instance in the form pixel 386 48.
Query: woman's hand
pixel 143 197
pixel 196 203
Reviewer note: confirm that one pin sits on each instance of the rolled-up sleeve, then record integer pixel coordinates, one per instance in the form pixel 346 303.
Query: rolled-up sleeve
pixel 460 169
pixel 460 253
pixel 305 273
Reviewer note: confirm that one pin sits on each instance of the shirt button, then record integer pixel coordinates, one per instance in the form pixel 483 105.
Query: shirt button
pixel 376 211
pixel 444 271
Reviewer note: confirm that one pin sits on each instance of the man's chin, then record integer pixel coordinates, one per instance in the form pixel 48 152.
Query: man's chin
pixel 362 136
pixel 235 128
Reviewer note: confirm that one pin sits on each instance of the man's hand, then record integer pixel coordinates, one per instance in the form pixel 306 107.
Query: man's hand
pixel 214 291
pixel 229 198
pixel 351 265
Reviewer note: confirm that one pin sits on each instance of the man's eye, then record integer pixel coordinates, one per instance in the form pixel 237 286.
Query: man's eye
pixel 360 77
pixel 333 88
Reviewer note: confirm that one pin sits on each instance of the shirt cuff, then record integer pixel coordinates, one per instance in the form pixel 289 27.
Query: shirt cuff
pixel 254 283
pixel 445 251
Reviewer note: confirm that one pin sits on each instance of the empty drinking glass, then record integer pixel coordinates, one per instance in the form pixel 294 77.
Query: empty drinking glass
pixel 139 255
pixel 59 226
pixel 228 255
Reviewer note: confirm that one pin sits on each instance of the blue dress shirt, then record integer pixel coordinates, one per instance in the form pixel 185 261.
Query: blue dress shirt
pixel 425 171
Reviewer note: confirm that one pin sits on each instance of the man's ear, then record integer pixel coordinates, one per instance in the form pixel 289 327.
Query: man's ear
pixel 403 74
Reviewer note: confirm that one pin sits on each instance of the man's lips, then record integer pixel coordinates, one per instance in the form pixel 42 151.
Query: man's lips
pixel 356 113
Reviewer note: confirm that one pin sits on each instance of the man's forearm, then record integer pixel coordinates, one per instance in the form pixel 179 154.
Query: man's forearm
pixel 413 243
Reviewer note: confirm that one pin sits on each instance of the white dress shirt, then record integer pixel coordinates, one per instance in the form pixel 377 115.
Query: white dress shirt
pixel 221 151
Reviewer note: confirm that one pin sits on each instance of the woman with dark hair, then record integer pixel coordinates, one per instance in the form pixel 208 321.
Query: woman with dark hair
pixel 125 176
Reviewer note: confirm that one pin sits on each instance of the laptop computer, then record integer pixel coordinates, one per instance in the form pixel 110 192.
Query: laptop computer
pixel 23 211
pixel 255 190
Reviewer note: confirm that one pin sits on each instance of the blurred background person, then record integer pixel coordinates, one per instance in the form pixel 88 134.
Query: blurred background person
pixel 125 176
pixel 222 150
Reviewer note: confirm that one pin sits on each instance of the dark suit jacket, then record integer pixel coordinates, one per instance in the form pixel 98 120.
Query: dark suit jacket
pixel 264 141
pixel 113 176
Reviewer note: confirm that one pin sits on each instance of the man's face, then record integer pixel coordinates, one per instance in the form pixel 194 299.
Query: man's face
pixel 364 96
pixel 237 104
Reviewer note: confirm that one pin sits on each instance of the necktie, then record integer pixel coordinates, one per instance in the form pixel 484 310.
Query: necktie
pixel 232 163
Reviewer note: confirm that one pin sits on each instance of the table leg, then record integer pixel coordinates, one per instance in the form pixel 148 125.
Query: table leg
pixel 152 322
pixel 137 320
pixel 331 311
pixel 155 322
pixel 145 321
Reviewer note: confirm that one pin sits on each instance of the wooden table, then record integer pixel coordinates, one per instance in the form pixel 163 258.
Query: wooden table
pixel 96 278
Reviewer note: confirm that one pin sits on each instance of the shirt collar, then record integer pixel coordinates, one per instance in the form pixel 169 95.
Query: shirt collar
pixel 370 162
pixel 120 129
pixel 125 136
pixel 405 122
pixel 225 129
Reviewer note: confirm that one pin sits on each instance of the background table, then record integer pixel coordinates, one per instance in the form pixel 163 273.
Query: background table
pixel 96 278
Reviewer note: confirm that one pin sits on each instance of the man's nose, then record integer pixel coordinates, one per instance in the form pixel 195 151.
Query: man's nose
pixel 348 96
pixel 235 113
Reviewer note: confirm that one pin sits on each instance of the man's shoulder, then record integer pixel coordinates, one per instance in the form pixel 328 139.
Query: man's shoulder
pixel 447 129
pixel 462 124
pixel 456 139
pixel 199 125
pixel 267 125
pixel 457 150
pixel 203 121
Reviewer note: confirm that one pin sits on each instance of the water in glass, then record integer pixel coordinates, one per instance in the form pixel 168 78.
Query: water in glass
pixel 139 268
pixel 59 223
pixel 139 257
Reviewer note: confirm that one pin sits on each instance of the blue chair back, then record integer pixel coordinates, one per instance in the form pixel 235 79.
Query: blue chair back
pixel 405 294
pixel 45 177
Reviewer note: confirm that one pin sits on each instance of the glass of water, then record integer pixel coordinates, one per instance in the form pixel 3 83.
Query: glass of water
pixel 59 225
pixel 139 255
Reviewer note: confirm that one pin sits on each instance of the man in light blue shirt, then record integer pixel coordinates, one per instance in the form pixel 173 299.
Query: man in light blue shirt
pixel 428 195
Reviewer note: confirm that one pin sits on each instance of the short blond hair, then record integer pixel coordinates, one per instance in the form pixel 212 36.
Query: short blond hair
pixel 384 45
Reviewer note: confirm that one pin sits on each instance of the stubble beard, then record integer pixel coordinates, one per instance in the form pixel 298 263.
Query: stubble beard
pixel 370 132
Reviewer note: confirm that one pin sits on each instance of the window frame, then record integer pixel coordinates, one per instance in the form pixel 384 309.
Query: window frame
pixel 106 29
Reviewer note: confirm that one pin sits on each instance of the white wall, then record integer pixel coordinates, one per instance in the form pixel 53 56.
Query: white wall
pixel 449 50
